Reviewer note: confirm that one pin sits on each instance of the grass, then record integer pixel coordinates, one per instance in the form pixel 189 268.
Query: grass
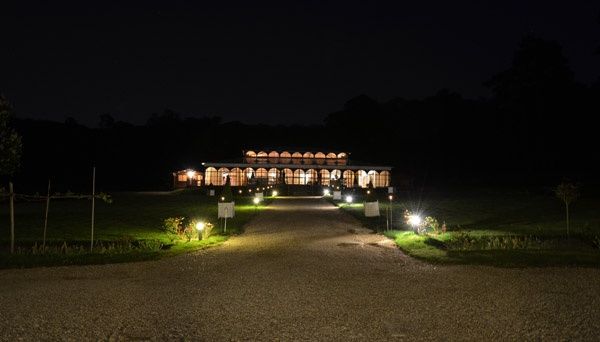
pixel 487 216
pixel 132 219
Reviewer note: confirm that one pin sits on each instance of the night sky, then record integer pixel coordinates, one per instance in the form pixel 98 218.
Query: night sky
pixel 269 62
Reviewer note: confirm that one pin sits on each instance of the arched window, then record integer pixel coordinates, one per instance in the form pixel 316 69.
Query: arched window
pixel 261 157
pixel 211 176
pixel 320 158
pixel 299 177
pixel 324 177
pixel 236 177
pixel 289 176
pixel 342 159
pixel 222 174
pixel 250 157
pixel 363 178
pixel 248 174
pixel 285 157
pixel 348 178
pixel 331 158
pixel 335 174
pixel 311 176
pixel 273 157
pixel 374 178
pixel 384 177
pixel 273 176
pixel 296 158
pixel 261 173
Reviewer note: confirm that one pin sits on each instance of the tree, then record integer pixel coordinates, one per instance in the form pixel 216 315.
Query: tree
pixel 227 195
pixel 567 192
pixel 370 193
pixel 11 146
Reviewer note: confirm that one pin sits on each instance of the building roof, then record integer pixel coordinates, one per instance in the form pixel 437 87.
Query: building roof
pixel 297 166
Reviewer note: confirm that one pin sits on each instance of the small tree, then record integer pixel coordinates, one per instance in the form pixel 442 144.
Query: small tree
pixel 10 141
pixel 227 195
pixel 567 192
pixel 370 193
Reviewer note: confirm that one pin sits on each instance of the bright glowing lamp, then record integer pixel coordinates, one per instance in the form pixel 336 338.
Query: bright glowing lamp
pixel 391 197
pixel 348 199
pixel 191 173
pixel 256 200
pixel 414 220
pixel 326 192
pixel 222 198
pixel 199 226
pixel 240 191
pixel 275 193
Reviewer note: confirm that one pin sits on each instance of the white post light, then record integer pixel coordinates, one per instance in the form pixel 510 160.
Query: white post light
pixel 348 199
pixel 275 193
pixel 326 192
pixel 200 228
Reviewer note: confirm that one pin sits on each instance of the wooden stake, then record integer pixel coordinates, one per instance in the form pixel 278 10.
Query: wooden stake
pixel 93 206
pixel 46 217
pixel 12 217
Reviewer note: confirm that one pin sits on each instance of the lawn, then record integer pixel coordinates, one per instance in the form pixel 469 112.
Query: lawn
pixel 132 219
pixel 493 227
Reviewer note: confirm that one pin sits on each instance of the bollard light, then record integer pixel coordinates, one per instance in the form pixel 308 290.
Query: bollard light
pixel 275 193
pixel 348 199
pixel 326 192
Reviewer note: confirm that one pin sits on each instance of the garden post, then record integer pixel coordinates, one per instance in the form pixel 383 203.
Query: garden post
pixel 46 217
pixel 93 206
pixel 11 195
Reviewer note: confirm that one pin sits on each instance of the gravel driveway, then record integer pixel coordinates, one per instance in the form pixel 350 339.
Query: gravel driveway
pixel 302 271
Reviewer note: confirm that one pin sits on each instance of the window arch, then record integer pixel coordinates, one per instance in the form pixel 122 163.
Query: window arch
pixel 331 158
pixel 261 173
pixel 374 178
pixel 384 177
pixel 311 176
pixel 363 178
pixel 248 174
pixel 250 157
pixel 289 176
pixel 296 158
pixel 211 176
pixel 348 178
pixel 273 157
pixel 222 176
pixel 273 176
pixel 236 177
pixel 335 174
pixel 325 180
pixel 299 177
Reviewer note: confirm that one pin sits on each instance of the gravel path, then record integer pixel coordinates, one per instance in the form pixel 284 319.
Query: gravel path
pixel 302 271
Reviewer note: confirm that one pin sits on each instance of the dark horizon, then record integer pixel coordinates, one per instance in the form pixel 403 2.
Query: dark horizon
pixel 270 64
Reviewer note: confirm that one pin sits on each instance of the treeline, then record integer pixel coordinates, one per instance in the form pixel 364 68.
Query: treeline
pixel 538 127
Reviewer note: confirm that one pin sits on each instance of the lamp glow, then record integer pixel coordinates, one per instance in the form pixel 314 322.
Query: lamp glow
pixel 275 193
pixel 348 199
pixel 256 200
pixel 191 173
pixel 391 197
pixel 414 220
pixel 326 192
pixel 222 198
pixel 199 226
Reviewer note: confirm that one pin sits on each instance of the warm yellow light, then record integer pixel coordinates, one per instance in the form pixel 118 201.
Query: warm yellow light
pixel 368 192
pixel 348 199
pixel 199 225
pixel 240 191
pixel 275 193
pixel 191 173
pixel 256 200
pixel 222 198
pixel 249 190
pixel 326 192
pixel 391 197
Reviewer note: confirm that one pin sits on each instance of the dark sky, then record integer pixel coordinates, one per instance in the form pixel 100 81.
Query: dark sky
pixel 277 62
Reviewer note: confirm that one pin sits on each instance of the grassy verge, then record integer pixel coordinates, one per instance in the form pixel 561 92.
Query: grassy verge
pixel 129 229
pixel 504 229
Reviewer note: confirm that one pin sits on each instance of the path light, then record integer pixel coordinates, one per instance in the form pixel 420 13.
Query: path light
pixel 326 192
pixel 256 200
pixel 414 220
pixel 200 228
pixel 222 199
pixel 240 191
pixel 275 193
pixel 348 199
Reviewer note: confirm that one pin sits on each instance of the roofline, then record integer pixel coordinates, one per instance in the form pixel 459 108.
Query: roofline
pixel 299 166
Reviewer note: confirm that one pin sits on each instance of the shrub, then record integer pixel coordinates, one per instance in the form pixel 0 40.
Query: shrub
pixel 207 231
pixel 190 232
pixel 370 193
pixel 173 225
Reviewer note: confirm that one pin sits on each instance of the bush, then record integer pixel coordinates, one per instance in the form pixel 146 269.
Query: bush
pixel 227 195
pixel 370 193
pixel 173 225
pixel 207 231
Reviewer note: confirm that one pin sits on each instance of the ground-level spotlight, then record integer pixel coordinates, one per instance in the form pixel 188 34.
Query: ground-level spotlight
pixel 348 199
pixel 222 199
pixel 240 191
pixel 390 197
pixel 275 193
pixel 256 200
pixel 326 192
pixel 200 226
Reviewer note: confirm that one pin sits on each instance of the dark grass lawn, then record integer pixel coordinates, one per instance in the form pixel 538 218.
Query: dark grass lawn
pixel 130 217
pixel 493 213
